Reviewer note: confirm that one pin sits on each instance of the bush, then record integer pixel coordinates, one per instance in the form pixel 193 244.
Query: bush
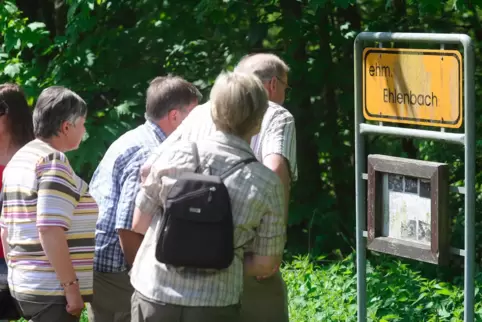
pixel 396 292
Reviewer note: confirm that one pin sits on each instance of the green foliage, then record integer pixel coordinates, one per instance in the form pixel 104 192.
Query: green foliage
pixel 107 51
pixel 396 292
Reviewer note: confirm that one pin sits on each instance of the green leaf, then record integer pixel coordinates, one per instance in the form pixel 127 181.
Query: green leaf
pixel 36 25
pixel 444 291
pixel 124 108
pixel 13 69
pixel 10 7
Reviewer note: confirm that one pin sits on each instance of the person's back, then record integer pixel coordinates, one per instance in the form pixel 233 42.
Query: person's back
pixel 239 102
pixel 120 160
pixel 254 191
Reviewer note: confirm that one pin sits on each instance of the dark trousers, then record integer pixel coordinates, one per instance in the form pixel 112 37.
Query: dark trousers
pixel 37 312
pixel 145 310
pixel 8 306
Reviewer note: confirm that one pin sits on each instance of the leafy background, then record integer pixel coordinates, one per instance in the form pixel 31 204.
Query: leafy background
pixel 107 51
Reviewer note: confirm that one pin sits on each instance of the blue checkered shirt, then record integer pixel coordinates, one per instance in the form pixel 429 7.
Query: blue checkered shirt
pixel 114 186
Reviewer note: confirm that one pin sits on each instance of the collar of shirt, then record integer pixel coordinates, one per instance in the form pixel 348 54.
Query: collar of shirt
pixel 156 129
pixel 232 141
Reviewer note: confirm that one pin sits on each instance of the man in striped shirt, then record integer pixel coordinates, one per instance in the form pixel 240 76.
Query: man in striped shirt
pixel 264 298
pixel 115 185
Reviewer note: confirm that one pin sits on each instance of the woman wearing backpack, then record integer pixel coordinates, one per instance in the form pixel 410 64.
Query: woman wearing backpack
pixel 190 194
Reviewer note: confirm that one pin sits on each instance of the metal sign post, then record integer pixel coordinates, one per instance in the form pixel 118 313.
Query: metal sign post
pixel 421 87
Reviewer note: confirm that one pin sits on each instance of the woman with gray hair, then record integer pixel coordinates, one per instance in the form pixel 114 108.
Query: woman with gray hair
pixel 48 216
pixel 170 292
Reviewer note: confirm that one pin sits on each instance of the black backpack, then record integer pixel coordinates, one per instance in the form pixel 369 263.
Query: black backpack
pixel 197 226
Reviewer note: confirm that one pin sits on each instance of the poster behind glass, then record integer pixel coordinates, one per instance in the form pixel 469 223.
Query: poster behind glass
pixel 406 208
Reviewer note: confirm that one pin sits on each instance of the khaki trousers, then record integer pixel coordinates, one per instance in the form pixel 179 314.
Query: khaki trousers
pixel 145 310
pixel 265 300
pixel 112 298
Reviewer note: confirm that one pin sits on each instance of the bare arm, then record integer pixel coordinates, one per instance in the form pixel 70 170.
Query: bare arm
pixel 140 224
pixel 141 221
pixel 54 243
pixel 54 217
pixel 4 236
pixel 130 242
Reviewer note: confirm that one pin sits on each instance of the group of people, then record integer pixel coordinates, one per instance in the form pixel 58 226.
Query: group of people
pixel 67 243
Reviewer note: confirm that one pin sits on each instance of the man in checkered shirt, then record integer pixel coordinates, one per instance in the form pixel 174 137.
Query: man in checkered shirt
pixel 264 298
pixel 114 186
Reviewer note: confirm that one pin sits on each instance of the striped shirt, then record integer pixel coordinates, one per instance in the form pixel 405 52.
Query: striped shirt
pixel 114 186
pixel 257 201
pixel 2 167
pixel 277 134
pixel 40 189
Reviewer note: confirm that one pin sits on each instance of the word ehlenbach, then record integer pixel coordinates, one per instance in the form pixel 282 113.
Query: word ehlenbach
pixel 409 98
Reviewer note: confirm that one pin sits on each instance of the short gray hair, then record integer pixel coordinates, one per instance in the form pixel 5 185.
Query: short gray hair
pixel 264 65
pixel 56 105
pixel 166 93
pixel 238 103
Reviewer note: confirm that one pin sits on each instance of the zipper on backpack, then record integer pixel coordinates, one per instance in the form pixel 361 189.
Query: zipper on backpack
pixel 210 196
pixel 195 193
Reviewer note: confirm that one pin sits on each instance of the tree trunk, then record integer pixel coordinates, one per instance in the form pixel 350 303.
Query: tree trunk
pixel 308 164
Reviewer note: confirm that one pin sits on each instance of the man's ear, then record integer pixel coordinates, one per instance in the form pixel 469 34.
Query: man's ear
pixel 64 127
pixel 272 84
pixel 172 115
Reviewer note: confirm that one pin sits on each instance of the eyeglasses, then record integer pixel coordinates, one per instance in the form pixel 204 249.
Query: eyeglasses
pixel 287 87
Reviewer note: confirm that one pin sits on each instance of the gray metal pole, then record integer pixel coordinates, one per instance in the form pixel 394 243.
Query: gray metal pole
pixel 469 94
pixel 411 37
pixel 360 185
pixel 413 133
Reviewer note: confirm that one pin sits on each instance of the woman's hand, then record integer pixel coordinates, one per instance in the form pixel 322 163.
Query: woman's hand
pixel 75 303
pixel 276 269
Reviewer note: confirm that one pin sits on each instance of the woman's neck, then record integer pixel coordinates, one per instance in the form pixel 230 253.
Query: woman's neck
pixel 55 142
pixel 7 150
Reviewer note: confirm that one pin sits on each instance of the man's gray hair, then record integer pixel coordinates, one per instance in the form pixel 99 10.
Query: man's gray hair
pixel 56 105
pixel 263 65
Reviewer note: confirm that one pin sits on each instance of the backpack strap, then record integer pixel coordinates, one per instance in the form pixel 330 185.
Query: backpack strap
pixel 236 166
pixel 196 157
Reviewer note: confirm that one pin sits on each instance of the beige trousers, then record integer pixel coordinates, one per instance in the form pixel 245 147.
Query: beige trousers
pixel 265 300
pixel 112 298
